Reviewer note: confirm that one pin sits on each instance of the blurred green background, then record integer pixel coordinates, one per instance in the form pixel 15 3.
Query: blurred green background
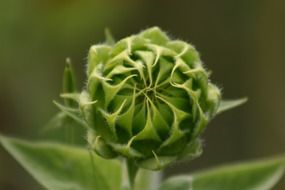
pixel 242 42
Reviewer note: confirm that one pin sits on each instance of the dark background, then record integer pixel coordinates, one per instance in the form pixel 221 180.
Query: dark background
pixel 241 41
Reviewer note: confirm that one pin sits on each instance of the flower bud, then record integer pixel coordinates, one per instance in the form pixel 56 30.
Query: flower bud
pixel 153 99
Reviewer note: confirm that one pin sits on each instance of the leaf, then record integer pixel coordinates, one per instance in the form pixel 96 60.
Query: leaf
pixel 62 167
pixel 256 175
pixel 178 183
pixel 229 104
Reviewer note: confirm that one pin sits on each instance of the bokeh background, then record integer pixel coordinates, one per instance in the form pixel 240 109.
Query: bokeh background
pixel 242 42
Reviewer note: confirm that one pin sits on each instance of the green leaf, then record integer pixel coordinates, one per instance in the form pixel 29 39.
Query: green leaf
pixel 62 167
pixel 178 183
pixel 255 175
pixel 230 104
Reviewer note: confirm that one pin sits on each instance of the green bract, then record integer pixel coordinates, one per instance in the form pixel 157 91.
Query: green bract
pixel 147 98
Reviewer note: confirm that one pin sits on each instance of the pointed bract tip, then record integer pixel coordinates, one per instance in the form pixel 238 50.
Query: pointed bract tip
pixel 230 104
pixel 110 40
pixel 67 61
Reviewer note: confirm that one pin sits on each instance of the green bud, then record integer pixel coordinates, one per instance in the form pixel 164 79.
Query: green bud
pixel 147 98
pixel 153 99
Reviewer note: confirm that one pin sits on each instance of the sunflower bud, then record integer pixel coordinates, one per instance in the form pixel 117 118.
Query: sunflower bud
pixel 148 98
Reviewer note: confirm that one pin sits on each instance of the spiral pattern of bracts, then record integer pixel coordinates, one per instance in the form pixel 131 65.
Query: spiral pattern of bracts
pixel 151 98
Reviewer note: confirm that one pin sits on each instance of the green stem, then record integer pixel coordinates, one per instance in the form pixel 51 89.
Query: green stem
pixel 132 170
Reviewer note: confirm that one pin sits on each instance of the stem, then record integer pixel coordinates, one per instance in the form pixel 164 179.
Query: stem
pixel 132 170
